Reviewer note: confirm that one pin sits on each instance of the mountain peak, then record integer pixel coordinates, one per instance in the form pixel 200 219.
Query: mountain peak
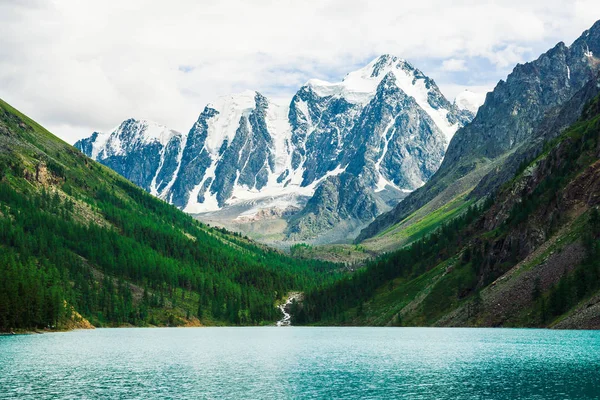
pixel 127 133
pixel 377 68
pixel 146 130
pixel 386 63
pixel 360 86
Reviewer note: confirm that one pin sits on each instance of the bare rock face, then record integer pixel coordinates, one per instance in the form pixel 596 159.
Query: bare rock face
pixel 46 174
pixel 579 194
pixel 339 198
pixel 42 175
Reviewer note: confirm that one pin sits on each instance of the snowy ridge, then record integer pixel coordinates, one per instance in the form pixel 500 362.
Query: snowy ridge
pixel 129 133
pixel 225 124
pixel 247 149
pixel 233 111
pixel 360 87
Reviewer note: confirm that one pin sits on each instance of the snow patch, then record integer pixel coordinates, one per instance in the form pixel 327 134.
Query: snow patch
pixel 176 173
pixel 210 200
pixel 281 135
pixel 224 125
pixel 382 182
pixel 587 52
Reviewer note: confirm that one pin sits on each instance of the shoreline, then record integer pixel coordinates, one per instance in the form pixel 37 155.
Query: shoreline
pixel 41 332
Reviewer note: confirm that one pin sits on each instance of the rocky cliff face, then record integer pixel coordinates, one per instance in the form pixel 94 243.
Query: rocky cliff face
pixel 510 116
pixel 556 187
pixel 354 148
pixel 544 230
pixel 553 124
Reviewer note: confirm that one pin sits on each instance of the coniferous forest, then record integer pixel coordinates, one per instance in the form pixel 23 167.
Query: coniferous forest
pixel 78 242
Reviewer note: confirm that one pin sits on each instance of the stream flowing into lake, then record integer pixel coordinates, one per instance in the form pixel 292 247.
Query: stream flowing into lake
pixel 284 308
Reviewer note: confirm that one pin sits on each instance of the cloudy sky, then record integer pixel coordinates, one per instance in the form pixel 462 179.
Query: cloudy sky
pixel 77 66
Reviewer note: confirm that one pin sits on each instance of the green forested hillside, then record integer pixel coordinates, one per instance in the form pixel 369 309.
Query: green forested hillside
pixel 77 241
pixel 527 257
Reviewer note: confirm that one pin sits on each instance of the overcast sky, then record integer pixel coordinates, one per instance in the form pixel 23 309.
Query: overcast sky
pixel 77 66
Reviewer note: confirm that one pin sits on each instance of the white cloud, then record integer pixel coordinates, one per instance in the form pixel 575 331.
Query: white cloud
pixel 77 66
pixel 454 64
pixel 451 91
pixel 508 56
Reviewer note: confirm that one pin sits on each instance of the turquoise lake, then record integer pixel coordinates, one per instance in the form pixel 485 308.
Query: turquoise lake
pixel 296 362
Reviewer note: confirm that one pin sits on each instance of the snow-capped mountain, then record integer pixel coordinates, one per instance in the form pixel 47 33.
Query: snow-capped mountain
pixel 338 152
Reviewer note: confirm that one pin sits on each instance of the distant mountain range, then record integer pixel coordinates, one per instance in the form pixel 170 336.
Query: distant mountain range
pixel 318 169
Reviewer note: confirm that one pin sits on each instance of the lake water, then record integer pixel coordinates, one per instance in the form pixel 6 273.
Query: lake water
pixel 295 362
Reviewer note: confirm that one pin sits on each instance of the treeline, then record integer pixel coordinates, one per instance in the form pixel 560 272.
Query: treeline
pixel 330 302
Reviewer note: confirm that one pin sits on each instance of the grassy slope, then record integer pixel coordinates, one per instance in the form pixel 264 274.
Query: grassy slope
pixel 351 255
pixel 417 226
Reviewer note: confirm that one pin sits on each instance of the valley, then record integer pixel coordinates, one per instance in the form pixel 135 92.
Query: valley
pixel 375 197
pixel 299 200
pixel 79 241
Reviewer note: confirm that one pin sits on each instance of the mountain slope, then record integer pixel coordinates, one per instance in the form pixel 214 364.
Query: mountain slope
pixel 386 126
pixel 507 120
pixel 528 257
pixel 76 239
